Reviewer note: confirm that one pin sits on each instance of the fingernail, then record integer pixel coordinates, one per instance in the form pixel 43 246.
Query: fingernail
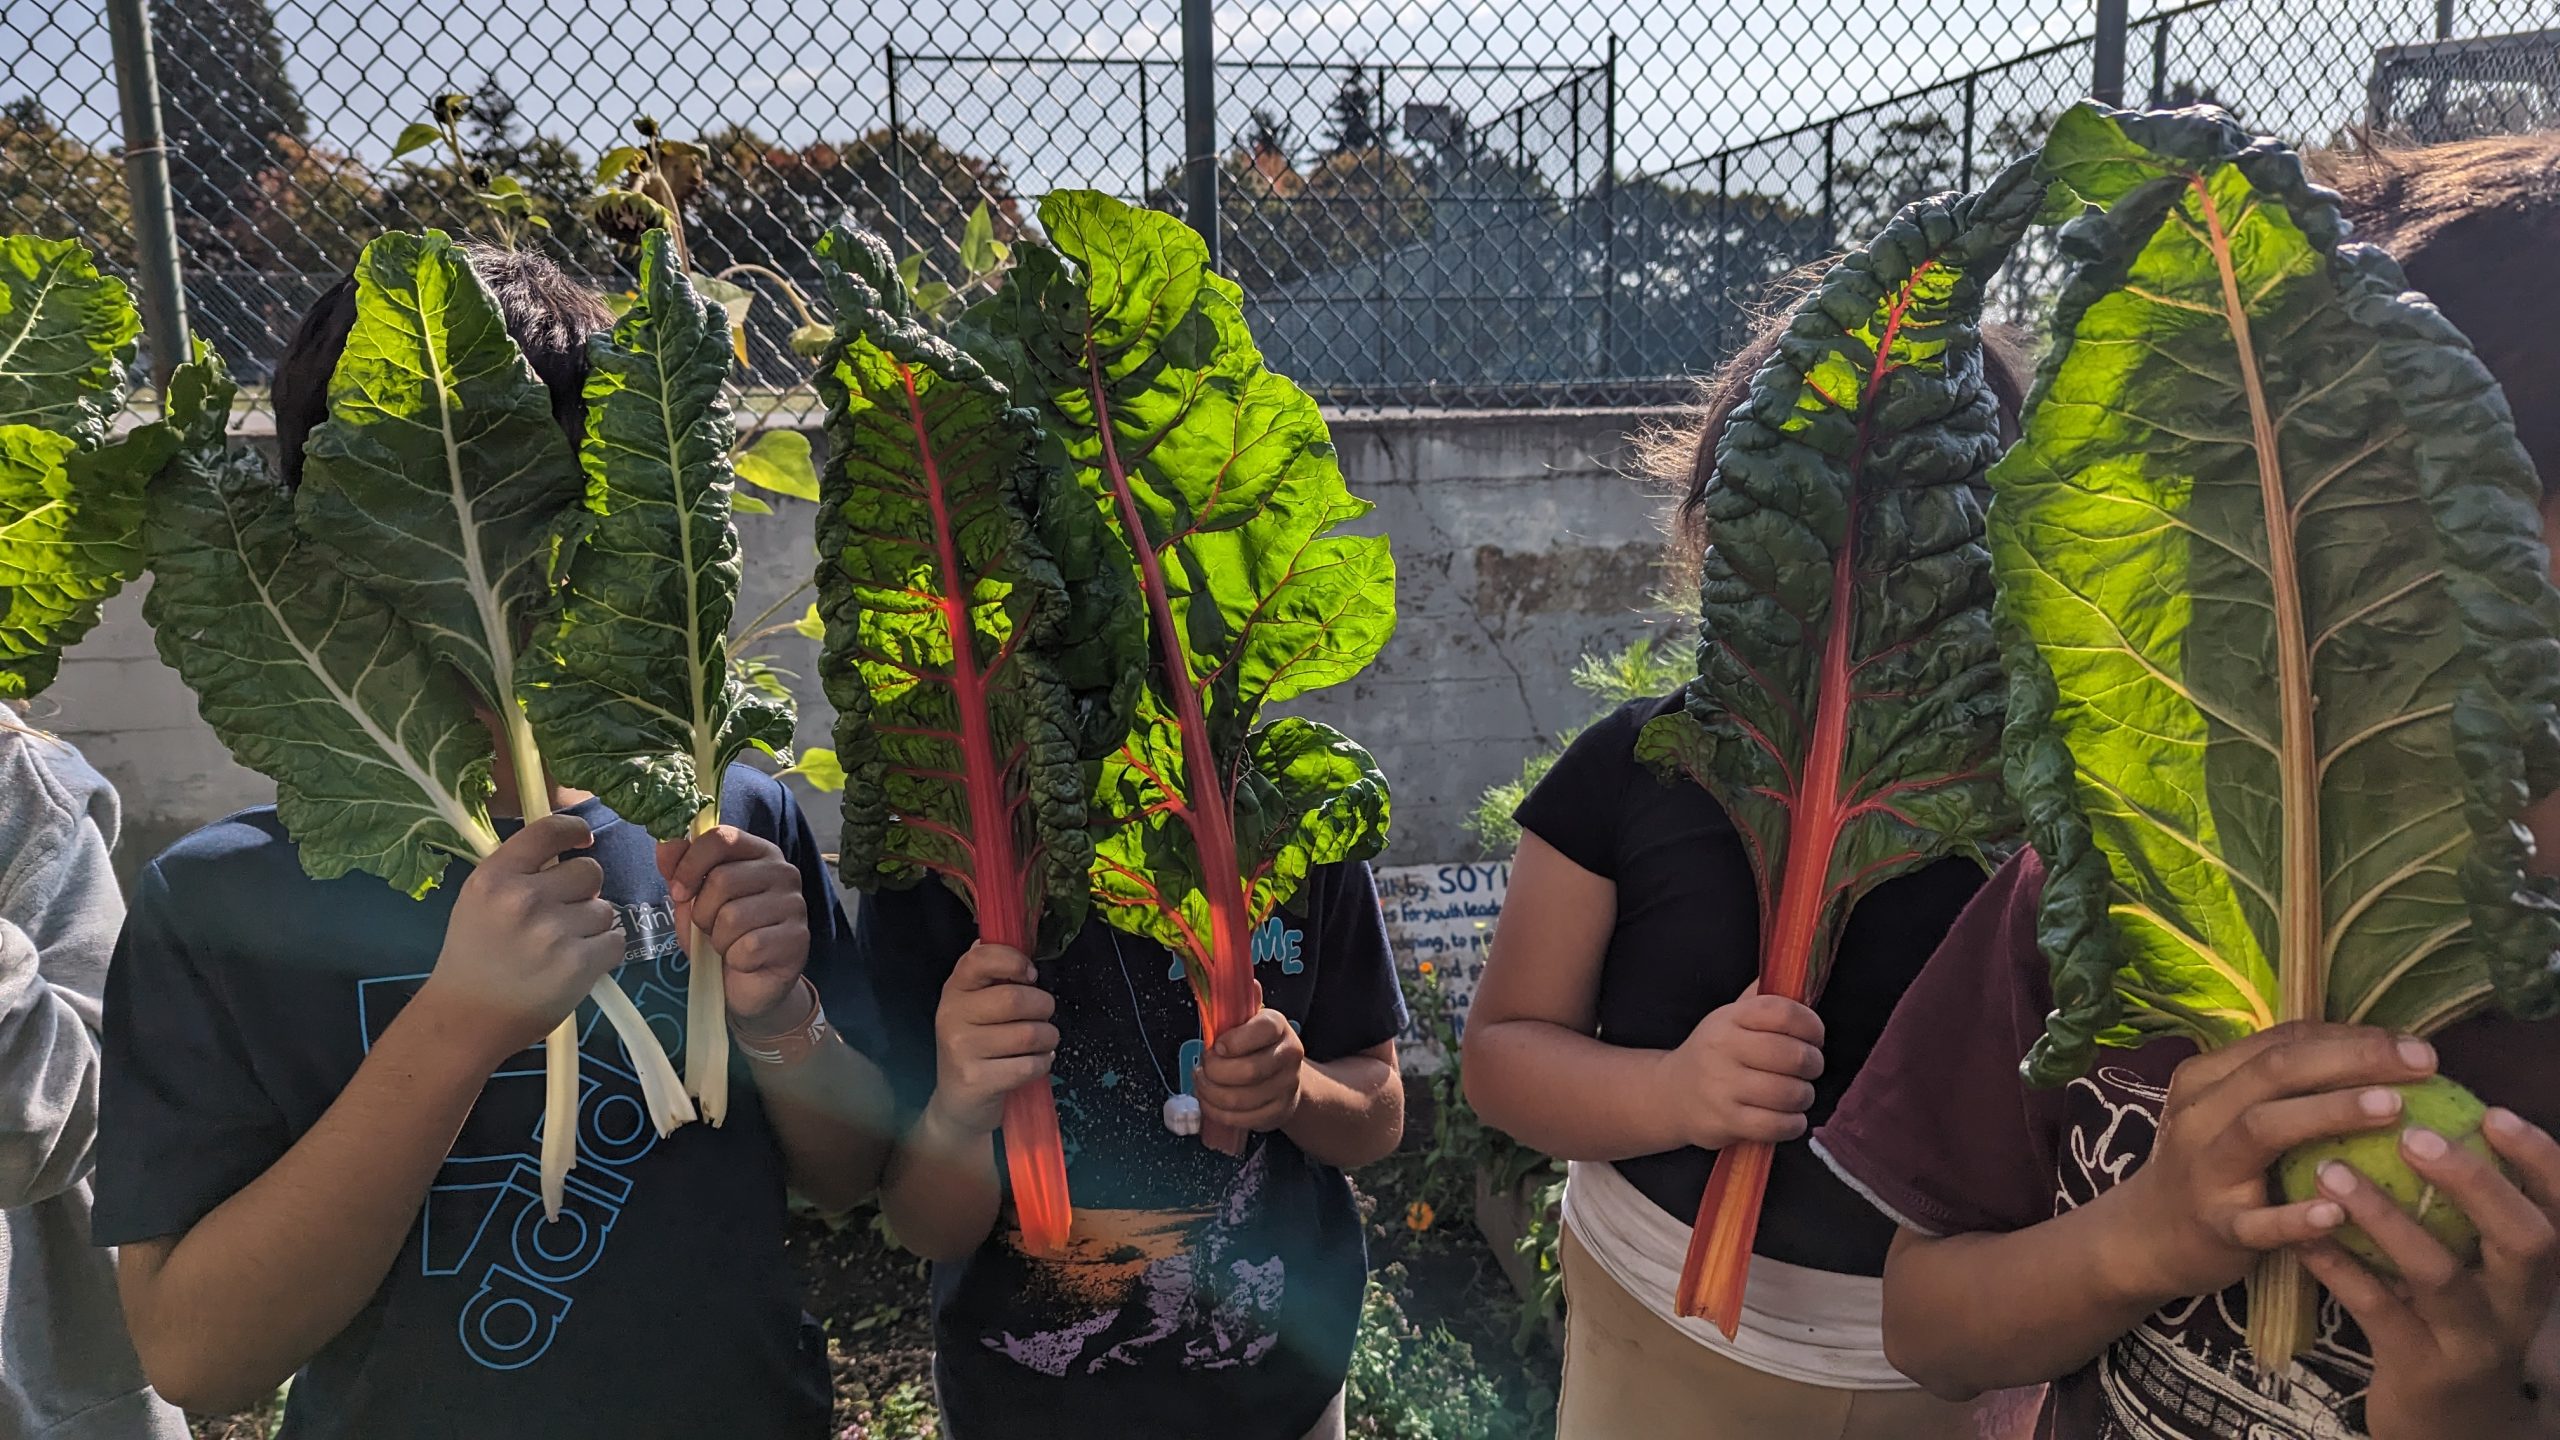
pixel 2380 1104
pixel 2326 1215
pixel 2418 1054
pixel 2422 1143
pixel 2504 1121
pixel 2337 1179
pixel 679 890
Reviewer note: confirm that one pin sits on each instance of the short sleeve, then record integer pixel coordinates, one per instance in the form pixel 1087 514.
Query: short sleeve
pixel 1574 806
pixel 1940 1130
pixel 183 1123
pixel 1357 1004
pixel 904 943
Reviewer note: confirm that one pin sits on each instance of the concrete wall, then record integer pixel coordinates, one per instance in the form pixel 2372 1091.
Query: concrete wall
pixel 1520 544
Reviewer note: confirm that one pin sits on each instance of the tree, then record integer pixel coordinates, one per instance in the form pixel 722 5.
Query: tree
pixel 226 106
pixel 54 186
pixel 1357 122
pixel 1915 155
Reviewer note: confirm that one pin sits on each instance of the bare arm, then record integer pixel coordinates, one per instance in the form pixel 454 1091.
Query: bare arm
pixel 991 1034
pixel 1350 1111
pixel 1972 1313
pixel 832 1116
pixel 223 1313
pixel 1535 1068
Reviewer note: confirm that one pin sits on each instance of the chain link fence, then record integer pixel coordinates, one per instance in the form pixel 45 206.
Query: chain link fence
pixel 1440 202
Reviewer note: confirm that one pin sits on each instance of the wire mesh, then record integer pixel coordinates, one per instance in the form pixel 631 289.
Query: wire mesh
pixel 1425 202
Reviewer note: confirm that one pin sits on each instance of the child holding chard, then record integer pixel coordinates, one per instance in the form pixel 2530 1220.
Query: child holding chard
pixel 318 1144
pixel 1199 1294
pixel 2097 1235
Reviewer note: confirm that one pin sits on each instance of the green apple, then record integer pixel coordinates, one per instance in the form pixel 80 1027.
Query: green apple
pixel 2436 1104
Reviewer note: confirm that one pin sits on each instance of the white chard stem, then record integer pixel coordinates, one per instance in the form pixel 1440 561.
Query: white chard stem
pixel 660 1088
pixel 706 1026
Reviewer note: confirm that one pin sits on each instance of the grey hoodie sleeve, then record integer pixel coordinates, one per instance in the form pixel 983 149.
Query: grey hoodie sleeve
pixel 59 914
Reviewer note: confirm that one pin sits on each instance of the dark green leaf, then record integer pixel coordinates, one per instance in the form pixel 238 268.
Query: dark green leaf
pixel 2267 553
pixel 1846 713
pixel 958 740
pixel 308 678
pixel 439 477
pixel 630 687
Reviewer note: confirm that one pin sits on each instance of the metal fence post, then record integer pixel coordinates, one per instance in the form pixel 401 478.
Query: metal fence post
pixel 1969 100
pixel 1200 122
pixel 2106 66
pixel 1608 214
pixel 146 174
pixel 2444 19
pixel 2160 61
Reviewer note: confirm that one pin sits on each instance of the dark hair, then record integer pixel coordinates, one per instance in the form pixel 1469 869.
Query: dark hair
pixel 550 315
pixel 1681 456
pixel 2475 224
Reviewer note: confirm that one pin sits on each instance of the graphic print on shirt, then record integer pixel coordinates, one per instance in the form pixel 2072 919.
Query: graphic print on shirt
pixel 1139 1280
pixel 1277 942
pixel 2185 1374
pixel 482 1226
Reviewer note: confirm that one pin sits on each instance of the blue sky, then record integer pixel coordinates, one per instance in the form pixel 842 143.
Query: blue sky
pixel 1694 74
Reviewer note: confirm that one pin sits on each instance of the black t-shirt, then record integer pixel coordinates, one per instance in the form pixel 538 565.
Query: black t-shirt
pixel 1687 941
pixel 1200 1294
pixel 243 996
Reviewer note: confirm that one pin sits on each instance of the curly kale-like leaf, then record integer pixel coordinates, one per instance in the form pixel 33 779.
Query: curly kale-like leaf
pixel 2279 632
pixel 66 336
pixel 960 742
pixel 630 686
pixel 1846 713
pixel 308 678
pixel 1219 476
pixel 440 478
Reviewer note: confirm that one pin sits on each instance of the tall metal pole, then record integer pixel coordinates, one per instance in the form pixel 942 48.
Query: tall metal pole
pixel 2106 68
pixel 146 174
pixel 1608 213
pixel 2444 19
pixel 1200 122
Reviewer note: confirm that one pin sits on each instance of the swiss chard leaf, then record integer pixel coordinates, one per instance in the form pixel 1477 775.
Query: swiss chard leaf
pixel 960 743
pixel 1220 477
pixel 70 500
pixel 2279 633
pixel 630 687
pixel 440 478
pixel 66 336
pixel 1846 712
pixel 308 678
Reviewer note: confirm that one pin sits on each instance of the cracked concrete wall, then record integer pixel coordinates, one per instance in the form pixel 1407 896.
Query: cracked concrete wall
pixel 1520 542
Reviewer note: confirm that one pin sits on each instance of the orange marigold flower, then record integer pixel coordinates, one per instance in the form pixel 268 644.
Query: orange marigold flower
pixel 1418 1216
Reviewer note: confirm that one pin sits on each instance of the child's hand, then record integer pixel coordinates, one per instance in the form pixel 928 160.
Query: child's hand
pixel 2200 1202
pixel 990 1035
pixel 1250 1078
pixel 2449 1341
pixel 527 939
pixel 746 897
pixel 1746 1072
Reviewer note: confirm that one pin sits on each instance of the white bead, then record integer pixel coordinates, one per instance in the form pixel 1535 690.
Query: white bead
pixel 1182 1115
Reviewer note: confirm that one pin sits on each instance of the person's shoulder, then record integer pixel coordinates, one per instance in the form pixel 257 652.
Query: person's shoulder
pixel 757 803
pixel 244 845
pixel 1613 736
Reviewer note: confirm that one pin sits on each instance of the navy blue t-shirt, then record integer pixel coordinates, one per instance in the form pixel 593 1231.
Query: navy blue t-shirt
pixel 243 996
pixel 1200 1294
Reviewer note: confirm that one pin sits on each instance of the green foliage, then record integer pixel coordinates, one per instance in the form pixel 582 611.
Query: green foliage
pixel 2281 645
pixel 1221 478
pixel 1846 713
pixel 630 685
pixel 70 498
pixel 439 479
pixel 959 743
pixel 308 678
pixel 1643 668
pixel 1408 1383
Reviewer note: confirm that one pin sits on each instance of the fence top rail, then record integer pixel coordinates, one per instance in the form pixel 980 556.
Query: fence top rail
pixel 1174 62
pixel 2467 45
pixel 1816 127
